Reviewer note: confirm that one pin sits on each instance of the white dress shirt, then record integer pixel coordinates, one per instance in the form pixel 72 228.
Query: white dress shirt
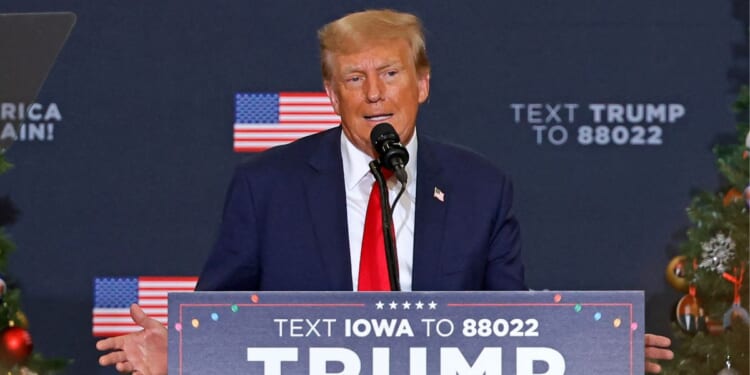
pixel 359 180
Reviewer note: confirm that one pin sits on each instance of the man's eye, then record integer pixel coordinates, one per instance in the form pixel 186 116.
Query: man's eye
pixel 392 73
pixel 354 79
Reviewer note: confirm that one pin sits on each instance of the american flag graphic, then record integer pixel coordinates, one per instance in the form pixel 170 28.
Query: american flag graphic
pixel 114 295
pixel 265 120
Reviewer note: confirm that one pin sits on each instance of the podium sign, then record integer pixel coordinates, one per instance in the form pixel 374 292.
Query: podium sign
pixel 413 333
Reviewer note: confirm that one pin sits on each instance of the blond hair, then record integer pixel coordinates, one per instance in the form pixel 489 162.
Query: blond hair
pixel 349 34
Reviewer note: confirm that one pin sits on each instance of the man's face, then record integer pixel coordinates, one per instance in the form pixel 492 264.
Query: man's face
pixel 378 84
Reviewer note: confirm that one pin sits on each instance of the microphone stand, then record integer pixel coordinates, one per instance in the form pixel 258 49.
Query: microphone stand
pixel 390 242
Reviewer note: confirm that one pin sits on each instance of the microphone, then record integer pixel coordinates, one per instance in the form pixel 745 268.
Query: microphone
pixel 393 154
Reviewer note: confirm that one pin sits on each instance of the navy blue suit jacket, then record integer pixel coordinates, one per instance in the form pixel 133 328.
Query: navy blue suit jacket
pixel 284 225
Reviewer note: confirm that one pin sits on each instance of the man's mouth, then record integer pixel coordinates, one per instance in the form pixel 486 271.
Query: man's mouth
pixel 379 117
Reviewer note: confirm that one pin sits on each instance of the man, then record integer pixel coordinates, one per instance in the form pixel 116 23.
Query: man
pixel 294 215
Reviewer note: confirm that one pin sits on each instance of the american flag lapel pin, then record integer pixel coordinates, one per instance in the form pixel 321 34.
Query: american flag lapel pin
pixel 438 194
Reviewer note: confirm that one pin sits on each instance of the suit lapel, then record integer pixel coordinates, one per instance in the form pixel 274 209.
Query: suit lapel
pixel 326 200
pixel 429 218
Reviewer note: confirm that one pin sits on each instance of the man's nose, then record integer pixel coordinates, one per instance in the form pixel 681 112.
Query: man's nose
pixel 374 89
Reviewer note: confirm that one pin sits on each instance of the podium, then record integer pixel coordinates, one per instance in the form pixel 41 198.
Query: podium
pixel 412 333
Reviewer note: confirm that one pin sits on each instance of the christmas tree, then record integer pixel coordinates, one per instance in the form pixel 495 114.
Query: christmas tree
pixel 16 348
pixel 712 319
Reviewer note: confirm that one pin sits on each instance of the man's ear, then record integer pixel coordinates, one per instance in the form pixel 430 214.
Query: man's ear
pixel 332 96
pixel 423 85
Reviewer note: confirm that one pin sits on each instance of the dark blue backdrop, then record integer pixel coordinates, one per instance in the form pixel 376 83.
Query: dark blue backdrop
pixel 133 182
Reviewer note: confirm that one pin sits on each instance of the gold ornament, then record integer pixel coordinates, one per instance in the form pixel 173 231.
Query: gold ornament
pixel 675 273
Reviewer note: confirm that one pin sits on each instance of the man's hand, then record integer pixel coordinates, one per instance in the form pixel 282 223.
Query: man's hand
pixel 140 353
pixel 657 347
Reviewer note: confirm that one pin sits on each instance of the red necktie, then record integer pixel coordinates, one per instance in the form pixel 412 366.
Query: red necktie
pixel 373 267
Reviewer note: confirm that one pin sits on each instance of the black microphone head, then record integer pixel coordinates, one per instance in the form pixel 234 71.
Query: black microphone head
pixel 387 144
pixel 382 133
